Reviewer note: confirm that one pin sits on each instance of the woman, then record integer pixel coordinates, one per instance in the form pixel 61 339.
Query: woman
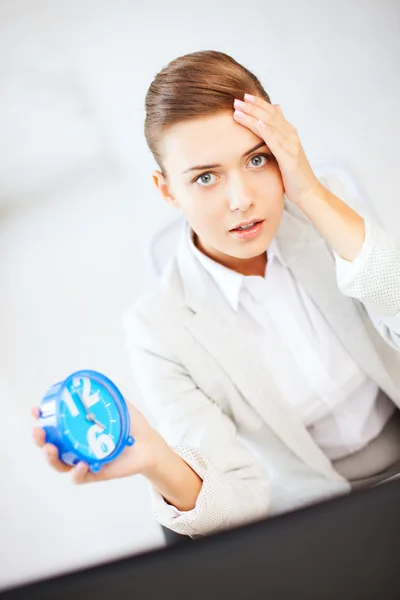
pixel 269 349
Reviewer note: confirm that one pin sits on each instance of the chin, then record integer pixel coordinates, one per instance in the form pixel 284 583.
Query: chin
pixel 254 248
pixel 250 251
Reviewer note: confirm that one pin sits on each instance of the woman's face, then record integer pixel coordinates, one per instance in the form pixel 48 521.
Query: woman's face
pixel 219 174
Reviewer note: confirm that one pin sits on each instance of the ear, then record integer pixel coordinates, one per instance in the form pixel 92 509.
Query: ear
pixel 162 186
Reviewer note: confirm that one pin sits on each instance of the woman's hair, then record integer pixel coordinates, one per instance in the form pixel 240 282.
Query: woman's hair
pixel 194 85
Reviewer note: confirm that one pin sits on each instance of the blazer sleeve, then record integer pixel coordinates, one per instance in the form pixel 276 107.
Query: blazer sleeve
pixel 373 277
pixel 235 489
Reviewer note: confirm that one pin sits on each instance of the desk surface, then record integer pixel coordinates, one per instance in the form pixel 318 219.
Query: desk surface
pixel 347 547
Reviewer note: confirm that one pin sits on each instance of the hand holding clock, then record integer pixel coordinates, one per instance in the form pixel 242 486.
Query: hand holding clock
pixel 109 439
pixel 134 459
pixel 86 426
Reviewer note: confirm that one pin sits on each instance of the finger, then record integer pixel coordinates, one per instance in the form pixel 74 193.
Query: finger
pixel 289 144
pixel 35 412
pixel 259 102
pixel 39 436
pixel 271 136
pixel 80 473
pixel 251 122
pixel 266 113
pixel 270 114
pixel 274 139
pixel 51 452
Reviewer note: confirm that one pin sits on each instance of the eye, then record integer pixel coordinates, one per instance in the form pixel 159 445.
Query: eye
pixel 264 155
pixel 203 184
pixel 209 174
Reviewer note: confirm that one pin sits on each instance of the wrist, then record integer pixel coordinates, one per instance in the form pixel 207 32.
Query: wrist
pixel 176 481
pixel 315 194
pixel 158 449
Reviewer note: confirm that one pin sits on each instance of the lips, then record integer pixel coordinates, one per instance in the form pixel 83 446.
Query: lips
pixel 248 234
pixel 245 223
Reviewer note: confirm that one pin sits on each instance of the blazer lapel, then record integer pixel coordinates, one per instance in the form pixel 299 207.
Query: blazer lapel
pixel 313 265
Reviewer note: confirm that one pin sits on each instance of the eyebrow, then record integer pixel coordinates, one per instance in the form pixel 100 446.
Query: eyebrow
pixel 200 167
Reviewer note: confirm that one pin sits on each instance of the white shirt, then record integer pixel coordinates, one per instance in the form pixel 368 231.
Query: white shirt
pixel 336 401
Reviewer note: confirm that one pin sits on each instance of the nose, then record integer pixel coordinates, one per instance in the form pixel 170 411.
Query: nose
pixel 239 197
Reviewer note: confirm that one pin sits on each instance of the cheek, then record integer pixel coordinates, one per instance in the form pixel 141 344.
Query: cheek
pixel 277 205
pixel 276 194
pixel 275 182
pixel 205 208
pixel 274 216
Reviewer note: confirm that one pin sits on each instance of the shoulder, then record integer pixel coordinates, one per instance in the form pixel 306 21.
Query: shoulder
pixel 160 302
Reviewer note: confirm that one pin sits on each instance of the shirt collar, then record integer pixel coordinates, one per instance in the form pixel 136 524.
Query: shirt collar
pixel 229 282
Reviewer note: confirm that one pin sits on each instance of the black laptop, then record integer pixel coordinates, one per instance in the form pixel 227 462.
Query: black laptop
pixel 346 547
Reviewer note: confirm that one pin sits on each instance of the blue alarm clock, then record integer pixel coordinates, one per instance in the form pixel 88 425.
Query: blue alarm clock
pixel 87 418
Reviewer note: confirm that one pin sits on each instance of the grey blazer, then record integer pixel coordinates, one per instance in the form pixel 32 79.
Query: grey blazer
pixel 220 408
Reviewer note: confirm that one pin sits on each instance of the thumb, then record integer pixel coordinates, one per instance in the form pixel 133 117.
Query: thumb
pixel 81 474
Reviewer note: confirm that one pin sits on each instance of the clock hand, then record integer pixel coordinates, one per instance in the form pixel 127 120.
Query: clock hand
pixel 89 415
pixel 93 418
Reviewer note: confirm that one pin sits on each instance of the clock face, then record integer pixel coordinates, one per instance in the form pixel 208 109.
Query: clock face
pixel 90 418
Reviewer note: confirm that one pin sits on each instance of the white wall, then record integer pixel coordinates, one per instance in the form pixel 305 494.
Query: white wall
pixel 78 208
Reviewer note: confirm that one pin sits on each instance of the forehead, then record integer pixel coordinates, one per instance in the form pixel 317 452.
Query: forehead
pixel 206 140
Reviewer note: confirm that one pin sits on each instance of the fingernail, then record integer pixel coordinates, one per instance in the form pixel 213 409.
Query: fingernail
pixel 249 97
pixel 48 452
pixel 81 466
pixel 239 114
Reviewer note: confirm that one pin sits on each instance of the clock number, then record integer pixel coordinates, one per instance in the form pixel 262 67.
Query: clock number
pixel 88 398
pixel 73 409
pixel 101 445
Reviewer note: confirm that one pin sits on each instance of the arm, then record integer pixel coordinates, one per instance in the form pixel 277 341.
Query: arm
pixel 373 277
pixel 367 258
pixel 174 479
pixel 337 222
pixel 234 488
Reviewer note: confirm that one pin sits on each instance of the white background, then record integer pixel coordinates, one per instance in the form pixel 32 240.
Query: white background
pixel 78 208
